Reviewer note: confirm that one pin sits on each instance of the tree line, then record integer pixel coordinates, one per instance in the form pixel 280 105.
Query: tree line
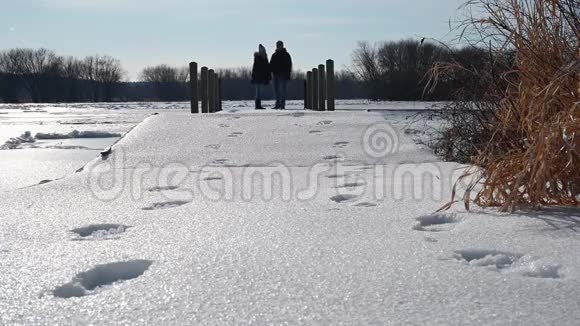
pixel 39 75
pixel 399 71
pixel 384 71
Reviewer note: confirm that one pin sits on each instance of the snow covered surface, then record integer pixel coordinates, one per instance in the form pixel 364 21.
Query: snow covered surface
pixel 275 217
pixel 69 129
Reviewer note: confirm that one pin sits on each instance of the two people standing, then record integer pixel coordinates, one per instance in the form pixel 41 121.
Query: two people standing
pixel 279 68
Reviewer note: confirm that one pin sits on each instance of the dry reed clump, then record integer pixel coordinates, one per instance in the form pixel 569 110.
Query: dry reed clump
pixel 531 151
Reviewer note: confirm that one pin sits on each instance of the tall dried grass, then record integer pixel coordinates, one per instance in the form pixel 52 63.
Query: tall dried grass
pixel 528 150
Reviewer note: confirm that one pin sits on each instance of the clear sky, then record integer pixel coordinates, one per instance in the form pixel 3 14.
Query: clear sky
pixel 217 33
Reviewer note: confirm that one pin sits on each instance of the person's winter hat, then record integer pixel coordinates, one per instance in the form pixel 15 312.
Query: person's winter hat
pixel 279 44
pixel 261 49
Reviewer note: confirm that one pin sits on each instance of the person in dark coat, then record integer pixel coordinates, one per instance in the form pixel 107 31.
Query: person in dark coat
pixel 281 67
pixel 261 75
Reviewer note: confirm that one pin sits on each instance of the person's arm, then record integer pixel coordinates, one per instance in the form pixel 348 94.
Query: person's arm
pixel 254 67
pixel 272 64
pixel 289 68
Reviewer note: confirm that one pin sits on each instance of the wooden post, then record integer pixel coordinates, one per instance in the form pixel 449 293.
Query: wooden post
pixel 321 88
pixel 216 92
pixel 315 89
pixel 305 92
pixel 211 90
pixel 193 87
pixel 309 92
pixel 330 85
pixel 203 90
pixel 220 94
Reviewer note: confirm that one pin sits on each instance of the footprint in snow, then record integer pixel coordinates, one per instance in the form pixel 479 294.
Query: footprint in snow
pixel 317 132
pixel 214 146
pixel 507 262
pixel 351 185
pixel 99 232
pixel 365 205
pixel 101 277
pixel 235 134
pixel 325 123
pixel 332 158
pixel 213 178
pixel 342 198
pixel 160 189
pixel 223 125
pixel 165 205
pixel 335 176
pixel 340 144
pixel 436 222
pixel 220 161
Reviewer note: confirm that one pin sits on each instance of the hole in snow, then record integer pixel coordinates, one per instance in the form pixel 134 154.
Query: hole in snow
pixel 100 231
pixel 325 123
pixel 365 204
pixel 165 205
pixel 331 157
pixel 342 198
pixel 340 144
pixel 351 185
pixel 506 262
pixel 160 189
pixel 213 146
pixel 87 283
pixel 335 176
pixel 483 258
pixel 435 223
pixel 212 178
pixel 235 134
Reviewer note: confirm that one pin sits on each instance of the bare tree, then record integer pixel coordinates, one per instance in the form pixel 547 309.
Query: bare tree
pixel 35 68
pixel 108 73
pixel 103 73
pixel 366 68
pixel 170 83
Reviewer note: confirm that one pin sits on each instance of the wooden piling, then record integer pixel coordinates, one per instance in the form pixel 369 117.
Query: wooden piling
pixel 193 87
pixel 203 90
pixel 220 94
pixel 305 92
pixel 315 89
pixel 321 88
pixel 309 90
pixel 330 86
pixel 216 92
pixel 211 90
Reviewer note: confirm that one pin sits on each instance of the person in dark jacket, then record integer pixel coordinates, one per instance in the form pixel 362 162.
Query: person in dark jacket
pixel 281 67
pixel 261 75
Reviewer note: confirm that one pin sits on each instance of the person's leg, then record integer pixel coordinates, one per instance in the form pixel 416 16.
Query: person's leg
pixel 257 97
pixel 261 90
pixel 277 91
pixel 283 89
